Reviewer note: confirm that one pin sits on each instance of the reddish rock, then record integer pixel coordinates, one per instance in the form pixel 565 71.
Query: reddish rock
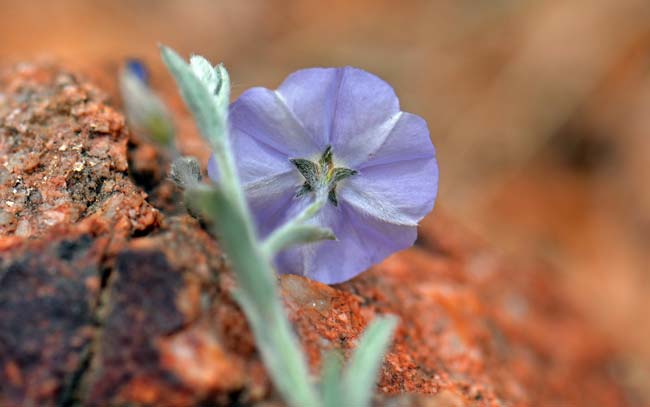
pixel 167 333
pixel 66 204
pixel 474 327
pixel 63 158
pixel 116 304
pixel 48 290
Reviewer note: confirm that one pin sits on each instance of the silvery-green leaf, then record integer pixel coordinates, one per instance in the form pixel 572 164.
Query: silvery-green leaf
pixel 298 234
pixel 186 172
pixel 145 112
pixel 257 295
pixel 209 116
pixel 223 89
pixel 205 72
pixel 361 373
pixel 331 380
pixel 210 113
pixel 237 238
pixel 216 79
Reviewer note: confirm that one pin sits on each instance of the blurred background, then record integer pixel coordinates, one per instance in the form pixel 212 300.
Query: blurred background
pixel 539 110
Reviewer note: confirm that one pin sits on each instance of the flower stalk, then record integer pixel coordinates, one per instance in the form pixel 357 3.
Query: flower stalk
pixel 226 207
pixel 296 231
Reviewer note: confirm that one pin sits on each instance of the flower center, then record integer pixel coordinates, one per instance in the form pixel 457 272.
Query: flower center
pixel 322 175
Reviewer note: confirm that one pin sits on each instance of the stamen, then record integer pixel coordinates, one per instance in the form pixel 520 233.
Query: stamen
pixel 323 175
pixel 308 169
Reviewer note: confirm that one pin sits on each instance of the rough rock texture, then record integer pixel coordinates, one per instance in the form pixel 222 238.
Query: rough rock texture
pixel 47 294
pixel 105 301
pixel 171 334
pixel 475 328
pixel 62 158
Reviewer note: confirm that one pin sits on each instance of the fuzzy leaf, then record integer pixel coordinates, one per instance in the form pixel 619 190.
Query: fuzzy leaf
pixel 223 89
pixel 256 294
pixel 331 380
pixel 186 172
pixel 205 72
pixel 361 373
pixel 237 238
pixel 208 113
pixel 298 234
pixel 144 109
pixel 215 79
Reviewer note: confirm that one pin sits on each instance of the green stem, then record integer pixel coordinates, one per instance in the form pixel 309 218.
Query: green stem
pixel 257 289
pixel 276 240
pixel 225 205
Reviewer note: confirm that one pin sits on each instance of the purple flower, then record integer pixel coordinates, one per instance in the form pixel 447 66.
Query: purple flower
pixel 340 129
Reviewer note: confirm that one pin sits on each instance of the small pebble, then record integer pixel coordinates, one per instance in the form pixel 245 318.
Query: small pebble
pixel 24 229
pixel 5 217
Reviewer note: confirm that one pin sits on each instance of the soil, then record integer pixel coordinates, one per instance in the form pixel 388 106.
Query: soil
pixel 111 295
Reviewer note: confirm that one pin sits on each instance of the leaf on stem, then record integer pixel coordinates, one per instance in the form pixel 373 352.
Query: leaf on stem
pixel 145 111
pixel 186 172
pixel 360 376
pixel 208 112
pixel 331 380
pixel 297 234
pixel 216 79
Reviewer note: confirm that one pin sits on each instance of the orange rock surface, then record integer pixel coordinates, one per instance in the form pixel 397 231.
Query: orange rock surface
pixel 117 303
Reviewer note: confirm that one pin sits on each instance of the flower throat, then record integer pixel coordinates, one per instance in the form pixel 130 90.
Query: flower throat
pixel 321 175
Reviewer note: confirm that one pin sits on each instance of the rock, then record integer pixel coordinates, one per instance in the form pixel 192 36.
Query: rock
pixel 473 327
pixel 170 332
pixel 106 301
pixel 66 205
pixel 63 158
pixel 48 290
